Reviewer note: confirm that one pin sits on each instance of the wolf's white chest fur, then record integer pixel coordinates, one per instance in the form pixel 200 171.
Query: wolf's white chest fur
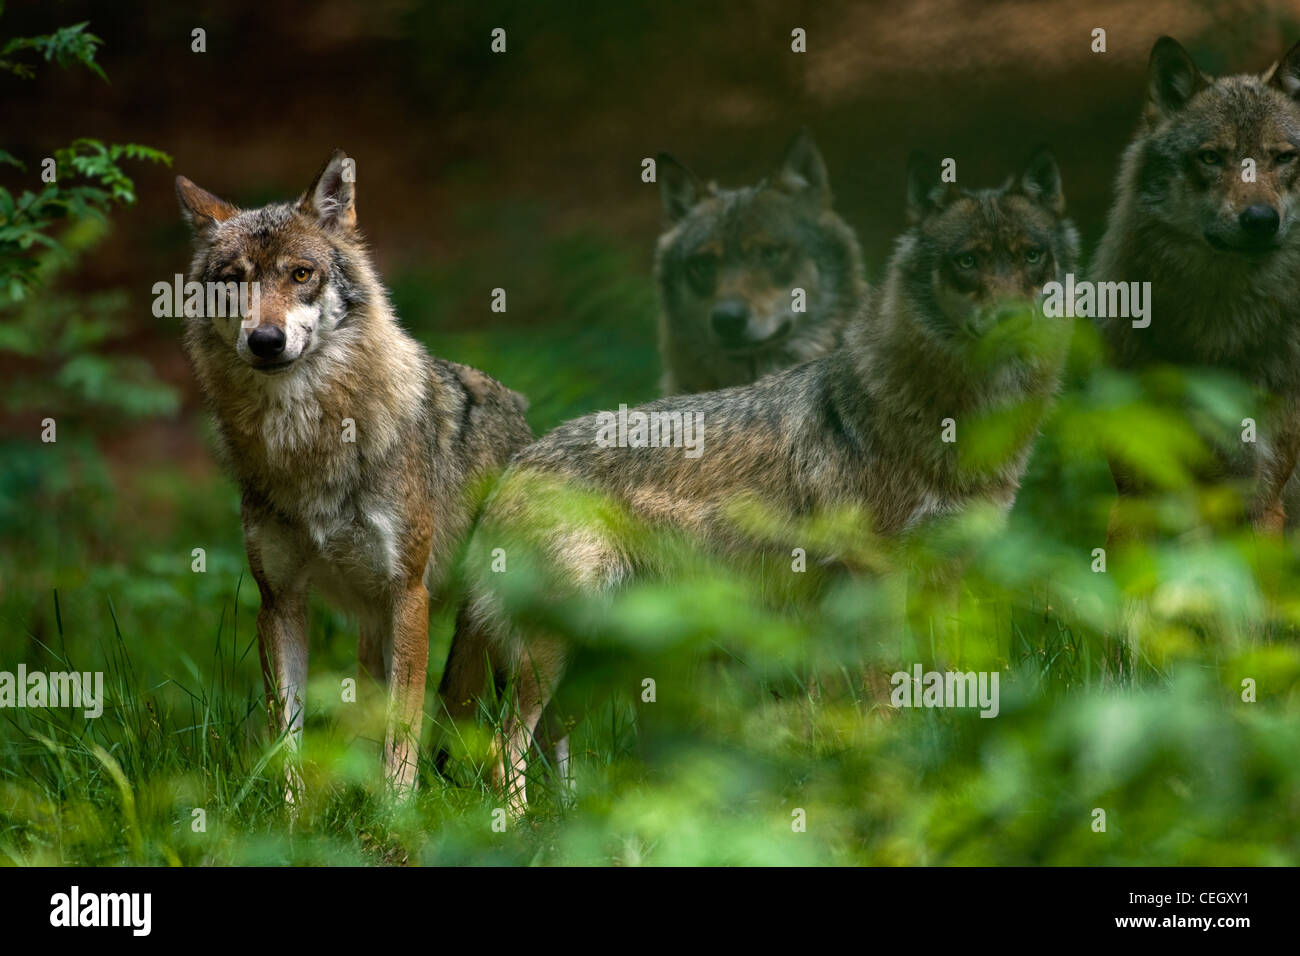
pixel 341 536
pixel 356 560
pixel 344 546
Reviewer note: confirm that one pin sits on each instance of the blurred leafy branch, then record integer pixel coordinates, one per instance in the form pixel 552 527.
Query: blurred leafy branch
pixel 29 220
pixel 66 46
pixel 55 347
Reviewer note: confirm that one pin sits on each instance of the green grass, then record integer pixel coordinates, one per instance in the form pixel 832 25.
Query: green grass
pixel 1120 691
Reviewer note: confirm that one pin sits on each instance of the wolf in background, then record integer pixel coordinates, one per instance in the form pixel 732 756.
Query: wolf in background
pixel 1222 253
pixel 859 428
pixel 356 452
pixel 728 262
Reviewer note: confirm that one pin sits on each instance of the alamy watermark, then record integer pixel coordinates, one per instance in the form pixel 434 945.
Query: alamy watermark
pixel 923 688
pixel 212 300
pixel 1086 300
pixel 58 689
pixel 75 909
pixel 659 429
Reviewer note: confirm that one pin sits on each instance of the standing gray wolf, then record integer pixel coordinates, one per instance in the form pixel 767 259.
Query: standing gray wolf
pixel 357 453
pixel 1222 252
pixel 861 428
pixel 728 264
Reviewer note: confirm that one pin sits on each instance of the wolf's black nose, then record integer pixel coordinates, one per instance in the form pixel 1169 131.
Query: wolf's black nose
pixel 266 341
pixel 1259 220
pixel 729 318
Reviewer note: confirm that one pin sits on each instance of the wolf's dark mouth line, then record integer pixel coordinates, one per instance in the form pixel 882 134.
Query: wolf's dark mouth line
pixel 750 349
pixel 1248 252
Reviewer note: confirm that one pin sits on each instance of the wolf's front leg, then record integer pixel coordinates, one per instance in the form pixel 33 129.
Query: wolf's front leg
pixel 407 670
pixel 1276 468
pixel 278 569
pixel 282 646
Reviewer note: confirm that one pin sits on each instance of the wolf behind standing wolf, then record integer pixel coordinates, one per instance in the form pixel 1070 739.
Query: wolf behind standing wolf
pixel 1220 248
pixel 356 452
pixel 728 266
pixel 861 428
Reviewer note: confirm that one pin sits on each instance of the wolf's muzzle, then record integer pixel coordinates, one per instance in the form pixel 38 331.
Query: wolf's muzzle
pixel 266 341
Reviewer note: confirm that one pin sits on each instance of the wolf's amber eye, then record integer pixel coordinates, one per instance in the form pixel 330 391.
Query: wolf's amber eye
pixel 301 274
pixel 966 260
pixel 1033 256
pixel 1287 157
pixel 1209 157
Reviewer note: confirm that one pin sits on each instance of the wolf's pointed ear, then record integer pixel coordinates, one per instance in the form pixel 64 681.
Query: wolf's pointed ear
pixel 678 187
pixel 1285 74
pixel 202 210
pixel 1172 78
pixel 802 172
pixel 926 191
pixel 1041 181
pixel 331 198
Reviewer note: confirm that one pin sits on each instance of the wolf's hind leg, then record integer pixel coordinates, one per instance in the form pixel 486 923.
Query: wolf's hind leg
pixel 540 667
pixel 553 740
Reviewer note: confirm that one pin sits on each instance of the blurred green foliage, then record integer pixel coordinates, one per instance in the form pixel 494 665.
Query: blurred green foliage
pixel 1120 690
pixel 28 221
pixel 57 346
